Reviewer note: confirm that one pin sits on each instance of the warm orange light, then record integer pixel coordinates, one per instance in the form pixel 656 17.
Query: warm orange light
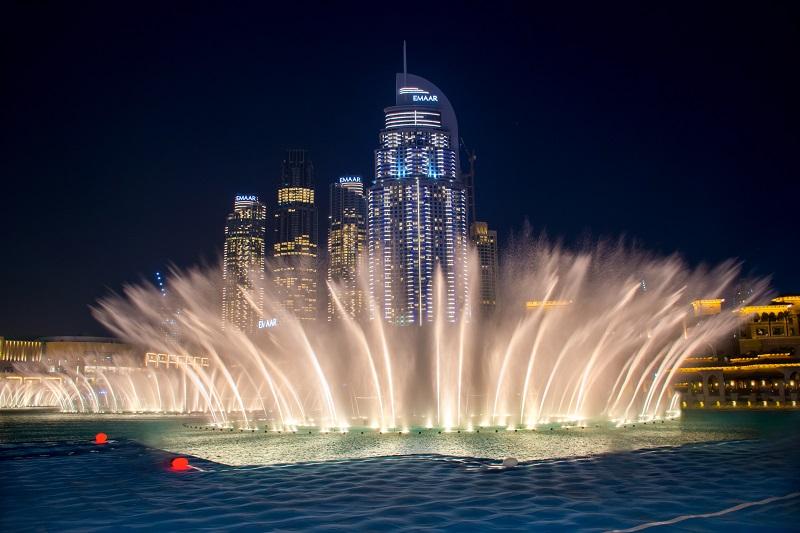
pixel 707 306
pixel 759 309
pixel 546 304
pixel 100 438
pixel 180 463
pixel 787 300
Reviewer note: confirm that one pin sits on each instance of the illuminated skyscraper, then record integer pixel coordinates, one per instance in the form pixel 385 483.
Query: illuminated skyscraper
pixel 243 264
pixel 485 242
pixel 295 247
pixel 416 209
pixel 170 328
pixel 347 235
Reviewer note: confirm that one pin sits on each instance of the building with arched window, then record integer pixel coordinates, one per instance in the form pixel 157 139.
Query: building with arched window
pixel 771 328
pixel 764 374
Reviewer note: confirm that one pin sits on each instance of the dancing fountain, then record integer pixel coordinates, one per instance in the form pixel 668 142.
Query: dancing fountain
pixel 576 336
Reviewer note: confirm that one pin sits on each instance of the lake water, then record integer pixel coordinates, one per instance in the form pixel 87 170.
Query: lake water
pixel 703 472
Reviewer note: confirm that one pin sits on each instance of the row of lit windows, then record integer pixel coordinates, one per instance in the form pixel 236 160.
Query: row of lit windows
pixel 300 195
pixel 400 119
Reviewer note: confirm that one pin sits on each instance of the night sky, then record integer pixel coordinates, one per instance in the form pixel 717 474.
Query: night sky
pixel 127 129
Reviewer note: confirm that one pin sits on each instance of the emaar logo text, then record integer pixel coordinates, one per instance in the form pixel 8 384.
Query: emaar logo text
pixel 425 98
pixel 270 323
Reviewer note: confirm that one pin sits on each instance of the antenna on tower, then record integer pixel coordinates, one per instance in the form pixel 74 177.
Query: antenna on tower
pixel 405 69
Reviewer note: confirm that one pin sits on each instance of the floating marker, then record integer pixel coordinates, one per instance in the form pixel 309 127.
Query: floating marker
pixel 179 463
pixel 100 438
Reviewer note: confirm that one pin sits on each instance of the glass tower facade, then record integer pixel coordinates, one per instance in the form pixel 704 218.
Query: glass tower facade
pixel 296 241
pixel 170 328
pixel 243 264
pixel 416 210
pixel 347 237
pixel 485 242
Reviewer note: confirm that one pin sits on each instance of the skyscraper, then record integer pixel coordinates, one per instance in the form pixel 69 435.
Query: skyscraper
pixel 347 235
pixel 416 213
pixel 170 328
pixel 295 248
pixel 485 242
pixel 243 264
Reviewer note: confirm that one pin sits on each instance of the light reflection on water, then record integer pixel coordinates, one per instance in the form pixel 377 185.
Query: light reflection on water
pixel 236 448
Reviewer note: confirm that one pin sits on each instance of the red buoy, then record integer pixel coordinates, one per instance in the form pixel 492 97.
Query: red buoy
pixel 100 438
pixel 180 463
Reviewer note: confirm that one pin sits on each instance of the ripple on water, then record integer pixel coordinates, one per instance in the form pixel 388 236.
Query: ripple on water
pixel 76 485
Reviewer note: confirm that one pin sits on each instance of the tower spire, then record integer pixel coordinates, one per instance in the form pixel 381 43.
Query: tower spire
pixel 405 69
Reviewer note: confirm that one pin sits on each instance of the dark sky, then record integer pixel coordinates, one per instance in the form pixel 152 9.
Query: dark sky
pixel 127 128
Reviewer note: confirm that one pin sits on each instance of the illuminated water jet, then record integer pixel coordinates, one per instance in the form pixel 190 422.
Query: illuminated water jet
pixel 574 337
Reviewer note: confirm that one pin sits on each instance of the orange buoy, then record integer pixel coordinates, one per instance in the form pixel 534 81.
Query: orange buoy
pixel 100 438
pixel 179 463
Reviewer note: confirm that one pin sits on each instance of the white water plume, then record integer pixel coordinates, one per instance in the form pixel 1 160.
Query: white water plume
pixel 591 344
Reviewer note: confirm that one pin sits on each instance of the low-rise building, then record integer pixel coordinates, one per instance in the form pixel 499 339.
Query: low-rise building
pixel 772 327
pixel 764 374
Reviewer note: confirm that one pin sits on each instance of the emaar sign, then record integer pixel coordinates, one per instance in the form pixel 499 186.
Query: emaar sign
pixel 267 324
pixel 425 98
pixel 248 198
pixel 350 179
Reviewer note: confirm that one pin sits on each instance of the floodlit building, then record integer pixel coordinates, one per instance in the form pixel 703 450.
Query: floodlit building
pixel 484 242
pixel 243 264
pixel 77 354
pixel 416 209
pixel 296 241
pixel 532 305
pixel 771 328
pixel 20 351
pixel 707 307
pixel 766 371
pixel 347 235
pixel 757 381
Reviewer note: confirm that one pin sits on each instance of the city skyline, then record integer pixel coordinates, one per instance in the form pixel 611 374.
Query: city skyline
pixel 542 120
pixel 276 257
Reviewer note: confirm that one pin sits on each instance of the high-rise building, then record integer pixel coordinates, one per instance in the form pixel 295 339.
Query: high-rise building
pixel 416 212
pixel 484 241
pixel 347 236
pixel 243 264
pixel 170 328
pixel 295 247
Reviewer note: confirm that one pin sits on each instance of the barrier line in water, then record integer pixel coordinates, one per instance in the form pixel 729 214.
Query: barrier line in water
pixel 683 518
